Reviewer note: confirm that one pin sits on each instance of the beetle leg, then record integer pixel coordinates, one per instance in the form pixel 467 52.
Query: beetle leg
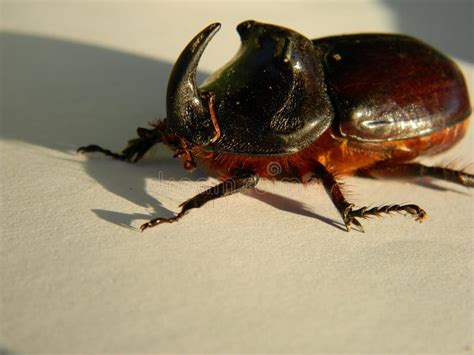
pixel 225 188
pixel 414 170
pixel 346 209
pixel 135 149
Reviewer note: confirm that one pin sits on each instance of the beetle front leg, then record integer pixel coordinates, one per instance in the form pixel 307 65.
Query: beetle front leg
pixel 135 149
pixel 225 188
pixel 349 214
pixel 417 170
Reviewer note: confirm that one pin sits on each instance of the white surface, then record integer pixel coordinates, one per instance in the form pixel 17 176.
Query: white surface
pixel 267 272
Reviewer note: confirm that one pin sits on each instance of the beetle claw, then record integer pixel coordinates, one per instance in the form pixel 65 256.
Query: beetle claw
pixel 350 221
pixel 156 221
pixel 357 225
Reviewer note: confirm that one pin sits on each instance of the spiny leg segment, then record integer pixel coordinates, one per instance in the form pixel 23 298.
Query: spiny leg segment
pixel 225 188
pixel 135 149
pixel 346 209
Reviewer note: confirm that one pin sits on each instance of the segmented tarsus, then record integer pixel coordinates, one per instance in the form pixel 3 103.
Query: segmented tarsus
pixel 414 210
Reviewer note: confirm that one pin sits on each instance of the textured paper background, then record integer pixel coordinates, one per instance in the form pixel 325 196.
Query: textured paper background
pixel 256 272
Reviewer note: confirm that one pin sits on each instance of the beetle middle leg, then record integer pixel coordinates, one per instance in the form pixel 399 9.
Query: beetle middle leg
pixel 225 188
pixel 135 149
pixel 417 170
pixel 349 214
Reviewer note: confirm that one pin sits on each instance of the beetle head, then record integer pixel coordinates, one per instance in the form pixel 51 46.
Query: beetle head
pixel 271 96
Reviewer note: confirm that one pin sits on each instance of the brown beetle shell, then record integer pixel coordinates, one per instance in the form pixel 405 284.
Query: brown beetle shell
pixel 391 87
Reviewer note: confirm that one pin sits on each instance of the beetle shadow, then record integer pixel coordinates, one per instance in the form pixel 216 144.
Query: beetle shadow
pixel 287 204
pixel 62 95
pixel 5 351
pixel 447 25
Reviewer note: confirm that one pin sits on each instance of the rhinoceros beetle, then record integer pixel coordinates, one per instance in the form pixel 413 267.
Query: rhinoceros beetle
pixel 362 104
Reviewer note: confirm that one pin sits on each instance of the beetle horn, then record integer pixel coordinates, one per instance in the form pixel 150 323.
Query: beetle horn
pixel 184 104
